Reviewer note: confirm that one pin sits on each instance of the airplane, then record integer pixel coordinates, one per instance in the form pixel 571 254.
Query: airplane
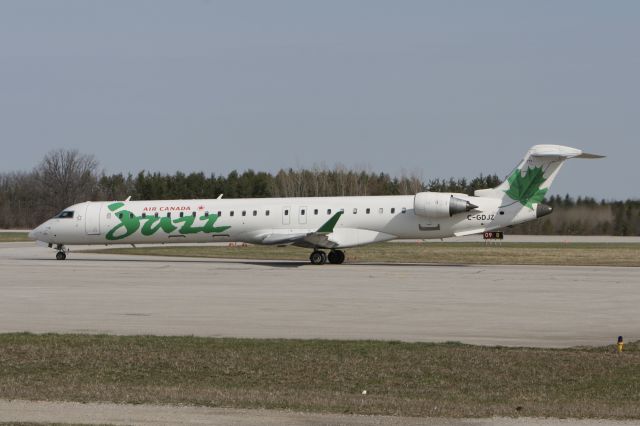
pixel 318 223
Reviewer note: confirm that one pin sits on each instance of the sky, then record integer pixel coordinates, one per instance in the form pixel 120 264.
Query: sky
pixel 435 88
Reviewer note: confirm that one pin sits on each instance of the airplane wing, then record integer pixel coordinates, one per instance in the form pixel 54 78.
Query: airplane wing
pixel 319 238
pixel 282 239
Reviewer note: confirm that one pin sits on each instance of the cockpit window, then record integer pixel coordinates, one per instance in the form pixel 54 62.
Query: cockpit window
pixel 65 214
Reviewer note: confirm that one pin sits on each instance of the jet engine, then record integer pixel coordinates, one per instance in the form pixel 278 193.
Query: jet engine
pixel 437 204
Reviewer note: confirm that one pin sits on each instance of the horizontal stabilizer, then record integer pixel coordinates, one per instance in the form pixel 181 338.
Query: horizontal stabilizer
pixel 590 156
pixel 559 151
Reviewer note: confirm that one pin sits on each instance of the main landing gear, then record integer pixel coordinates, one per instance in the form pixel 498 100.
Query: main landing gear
pixel 61 254
pixel 320 258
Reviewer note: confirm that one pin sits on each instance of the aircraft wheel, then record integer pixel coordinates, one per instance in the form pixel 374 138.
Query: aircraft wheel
pixel 336 257
pixel 318 257
pixel 61 255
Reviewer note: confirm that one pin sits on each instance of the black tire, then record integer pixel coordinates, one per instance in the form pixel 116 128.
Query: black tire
pixel 318 258
pixel 61 255
pixel 336 257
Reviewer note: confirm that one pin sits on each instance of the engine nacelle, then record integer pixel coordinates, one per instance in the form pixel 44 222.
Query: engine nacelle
pixel 437 204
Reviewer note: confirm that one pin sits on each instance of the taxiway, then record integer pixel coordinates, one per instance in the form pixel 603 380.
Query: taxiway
pixel 491 305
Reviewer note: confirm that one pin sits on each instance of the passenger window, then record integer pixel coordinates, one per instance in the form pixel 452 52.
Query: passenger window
pixel 393 210
pixel 120 215
pixel 315 211
pixel 231 213
pixel 181 214
pixel 168 214
pixel 130 215
pixel 328 211
pixel 219 213
pixel 255 212
pixel 156 214
pixel 302 212
pixel 244 212
pixel 355 211
pixel 266 213
pixel 404 210
pixel 193 214
pixel 206 214
pixel 286 212
pixel 368 211
pixel 144 215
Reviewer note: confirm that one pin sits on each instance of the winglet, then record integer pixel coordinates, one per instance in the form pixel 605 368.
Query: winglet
pixel 327 228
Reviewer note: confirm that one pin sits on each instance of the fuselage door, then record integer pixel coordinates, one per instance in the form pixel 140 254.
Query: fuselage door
pixel 286 215
pixel 302 215
pixel 92 218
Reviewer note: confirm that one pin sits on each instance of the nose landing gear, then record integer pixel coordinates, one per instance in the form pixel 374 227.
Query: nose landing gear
pixel 61 254
pixel 320 258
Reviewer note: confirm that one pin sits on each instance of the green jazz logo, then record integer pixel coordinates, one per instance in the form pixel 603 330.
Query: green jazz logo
pixel 129 223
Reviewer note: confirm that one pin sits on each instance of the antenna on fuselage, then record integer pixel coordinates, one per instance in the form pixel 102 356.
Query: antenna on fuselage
pixel 219 197
pixel 128 198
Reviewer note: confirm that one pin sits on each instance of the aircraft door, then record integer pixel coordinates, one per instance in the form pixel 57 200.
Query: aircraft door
pixel 302 215
pixel 92 218
pixel 286 215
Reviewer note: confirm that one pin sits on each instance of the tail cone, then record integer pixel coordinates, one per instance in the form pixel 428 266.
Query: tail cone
pixel 543 210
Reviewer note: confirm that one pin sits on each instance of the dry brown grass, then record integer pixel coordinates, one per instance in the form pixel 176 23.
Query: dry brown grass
pixel 46 424
pixel 414 379
pixel 577 254
pixel 12 237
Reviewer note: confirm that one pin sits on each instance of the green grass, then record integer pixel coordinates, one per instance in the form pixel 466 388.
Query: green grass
pixel 578 254
pixel 12 237
pixel 412 379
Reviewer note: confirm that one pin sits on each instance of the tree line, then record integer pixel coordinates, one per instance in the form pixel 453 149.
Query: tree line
pixel 585 216
pixel 66 177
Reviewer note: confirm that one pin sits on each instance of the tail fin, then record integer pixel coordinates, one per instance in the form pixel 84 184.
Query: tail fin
pixel 529 182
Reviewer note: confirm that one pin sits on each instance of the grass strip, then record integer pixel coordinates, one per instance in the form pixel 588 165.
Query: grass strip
pixel 13 237
pixel 46 424
pixel 410 379
pixel 574 254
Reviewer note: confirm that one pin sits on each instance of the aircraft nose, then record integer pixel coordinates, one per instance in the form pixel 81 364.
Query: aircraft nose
pixel 33 235
pixel 36 233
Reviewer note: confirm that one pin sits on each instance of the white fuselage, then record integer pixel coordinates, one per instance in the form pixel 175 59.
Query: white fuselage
pixel 364 220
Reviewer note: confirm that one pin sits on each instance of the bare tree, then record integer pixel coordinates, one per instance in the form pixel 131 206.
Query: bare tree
pixel 66 177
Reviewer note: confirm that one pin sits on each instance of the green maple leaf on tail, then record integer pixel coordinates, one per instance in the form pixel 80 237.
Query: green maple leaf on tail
pixel 526 189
